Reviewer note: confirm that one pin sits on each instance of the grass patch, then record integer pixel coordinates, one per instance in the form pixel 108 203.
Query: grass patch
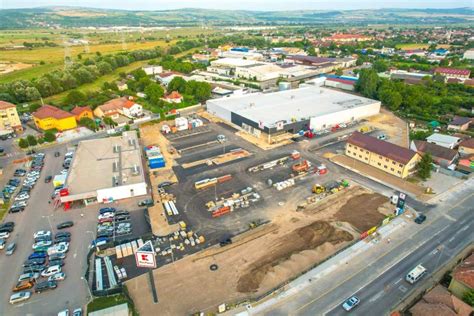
pixel 3 211
pixel 105 302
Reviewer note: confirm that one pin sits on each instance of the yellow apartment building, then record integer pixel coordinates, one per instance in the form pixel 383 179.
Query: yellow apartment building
pixel 9 120
pixel 393 159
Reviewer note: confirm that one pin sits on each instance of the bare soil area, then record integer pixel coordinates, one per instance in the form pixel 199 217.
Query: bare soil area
pixel 394 127
pixel 6 68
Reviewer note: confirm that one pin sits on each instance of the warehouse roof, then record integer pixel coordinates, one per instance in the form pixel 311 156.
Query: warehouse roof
pixel 232 62
pixel 290 105
pixel 382 148
pixel 96 162
pixel 441 138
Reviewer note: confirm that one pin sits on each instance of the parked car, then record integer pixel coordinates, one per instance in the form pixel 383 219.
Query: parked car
pixel 64 312
pixel 62 234
pixel 350 303
pixel 65 225
pixel 36 268
pixel 106 220
pixel 16 209
pixel 20 297
pixel 50 271
pixel 42 243
pixel 56 262
pixel 22 197
pixel 77 312
pixel 7 224
pixel 59 248
pixel 7 229
pixel 46 285
pixel 120 219
pixel 42 233
pixel 122 212
pixel 107 210
pixel 62 239
pixel 104 234
pixel 4 235
pixel 106 215
pixel 10 249
pixel 23 285
pixel 28 276
pixel 147 202
pixel 57 277
pixel 38 254
pixel 2 243
pixel 56 256
pixel 34 261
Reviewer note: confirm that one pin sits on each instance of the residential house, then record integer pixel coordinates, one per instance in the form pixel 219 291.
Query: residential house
pixel 119 106
pixel 438 301
pixel 415 52
pixel 441 155
pixel 153 70
pixel 460 123
pixel 345 38
pixel 393 159
pixel 469 54
pixel 122 85
pixel 174 97
pixel 82 112
pixel 50 117
pixel 9 119
pixel 165 78
pixel 444 140
pixel 466 147
pixel 453 72
pixel 463 277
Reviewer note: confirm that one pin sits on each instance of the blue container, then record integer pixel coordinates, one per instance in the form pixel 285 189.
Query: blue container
pixel 157 164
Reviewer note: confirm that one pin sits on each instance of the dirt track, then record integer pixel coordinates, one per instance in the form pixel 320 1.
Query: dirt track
pixel 360 211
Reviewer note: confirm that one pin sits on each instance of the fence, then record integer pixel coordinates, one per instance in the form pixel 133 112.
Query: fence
pixel 452 173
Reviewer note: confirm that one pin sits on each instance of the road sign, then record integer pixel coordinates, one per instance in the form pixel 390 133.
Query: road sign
pixel 401 201
pixel 145 256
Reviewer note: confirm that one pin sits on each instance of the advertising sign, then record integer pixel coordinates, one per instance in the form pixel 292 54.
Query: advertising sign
pixel 145 256
pixel 401 201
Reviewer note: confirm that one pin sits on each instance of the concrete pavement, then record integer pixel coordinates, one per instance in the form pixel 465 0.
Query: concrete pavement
pixel 321 291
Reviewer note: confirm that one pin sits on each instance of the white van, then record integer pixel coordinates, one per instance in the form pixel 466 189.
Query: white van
pixel 417 273
pixel 51 270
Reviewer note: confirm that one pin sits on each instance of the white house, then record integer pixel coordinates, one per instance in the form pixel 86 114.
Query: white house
pixel 444 140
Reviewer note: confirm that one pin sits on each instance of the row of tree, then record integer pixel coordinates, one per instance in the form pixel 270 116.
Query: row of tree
pixel 30 140
pixel 430 99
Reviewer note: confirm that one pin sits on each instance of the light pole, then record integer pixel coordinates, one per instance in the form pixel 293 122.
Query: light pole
pixel 49 221
pixel 93 238
pixel 88 288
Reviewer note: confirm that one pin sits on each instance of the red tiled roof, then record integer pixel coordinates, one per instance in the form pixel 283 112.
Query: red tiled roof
pixel 51 111
pixel 465 272
pixel 345 81
pixel 347 36
pixel 174 95
pixel 452 71
pixel 469 82
pixel 382 148
pixel 469 143
pixel 114 104
pixel 6 105
pixel 80 109
pixel 129 104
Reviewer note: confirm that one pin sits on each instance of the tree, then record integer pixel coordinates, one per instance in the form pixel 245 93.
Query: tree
pixel 177 84
pixel 23 143
pixel 367 83
pixel 89 123
pixel 391 98
pixel 31 140
pixel 104 67
pixel 75 97
pixel 49 137
pixel 468 297
pixel 424 166
pixel 339 72
pixel 154 92
pixel 379 66
pixel 109 121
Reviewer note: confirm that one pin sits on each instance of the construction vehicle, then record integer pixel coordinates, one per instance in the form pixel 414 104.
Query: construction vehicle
pixel 364 129
pixel 301 167
pixel 295 155
pixel 318 189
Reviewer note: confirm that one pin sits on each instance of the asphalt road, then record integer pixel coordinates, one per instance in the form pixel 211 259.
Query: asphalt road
pixel 377 275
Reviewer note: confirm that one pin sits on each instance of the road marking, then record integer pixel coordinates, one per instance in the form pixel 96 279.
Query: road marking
pixel 451 239
pixel 398 281
pixel 463 221
pixel 402 288
pixel 450 217
pixel 434 252
pixel 377 296
pixel 464 228
pixel 75 255
pixel 378 258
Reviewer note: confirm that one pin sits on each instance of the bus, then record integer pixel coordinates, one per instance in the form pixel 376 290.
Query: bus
pixel 417 273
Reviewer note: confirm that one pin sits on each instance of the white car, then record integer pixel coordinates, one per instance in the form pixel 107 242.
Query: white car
pixel 2 243
pixel 51 271
pixel 57 277
pixel 42 233
pixel 4 235
pixel 57 249
pixel 28 276
pixel 20 297
pixel 350 303
pixel 39 155
pixel 20 204
pixel 106 215
pixel 43 243
pixel 22 197
pixel 64 171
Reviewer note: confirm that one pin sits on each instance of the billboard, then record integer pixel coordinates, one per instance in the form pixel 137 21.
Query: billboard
pixel 145 256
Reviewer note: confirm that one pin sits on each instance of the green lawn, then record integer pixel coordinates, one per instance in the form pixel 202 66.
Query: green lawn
pixel 30 73
pixel 105 302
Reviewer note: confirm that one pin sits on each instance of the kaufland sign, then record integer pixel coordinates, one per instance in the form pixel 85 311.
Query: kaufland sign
pixel 145 256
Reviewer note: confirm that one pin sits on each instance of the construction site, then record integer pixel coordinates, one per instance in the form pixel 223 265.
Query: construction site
pixel 242 220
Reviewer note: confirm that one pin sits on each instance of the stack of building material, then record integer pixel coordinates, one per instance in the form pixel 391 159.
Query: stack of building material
pixel 181 123
pixel 154 157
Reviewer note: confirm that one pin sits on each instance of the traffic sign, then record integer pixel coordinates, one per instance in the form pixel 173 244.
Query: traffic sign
pixel 145 256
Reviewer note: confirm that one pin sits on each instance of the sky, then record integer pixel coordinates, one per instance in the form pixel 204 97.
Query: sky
pixel 263 5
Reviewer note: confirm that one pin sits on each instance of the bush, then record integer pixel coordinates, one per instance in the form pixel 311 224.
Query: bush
pixel 31 140
pixel 23 143
pixel 49 137
pixel 41 140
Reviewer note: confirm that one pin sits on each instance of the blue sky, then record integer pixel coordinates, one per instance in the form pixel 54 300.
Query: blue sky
pixel 267 5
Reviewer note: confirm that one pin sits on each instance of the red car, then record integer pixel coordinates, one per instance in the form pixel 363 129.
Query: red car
pixel 106 220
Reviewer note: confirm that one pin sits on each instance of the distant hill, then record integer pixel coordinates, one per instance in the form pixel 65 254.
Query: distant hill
pixel 83 17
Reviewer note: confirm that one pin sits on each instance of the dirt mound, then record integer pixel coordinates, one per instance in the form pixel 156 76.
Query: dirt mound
pixel 361 211
pixel 304 238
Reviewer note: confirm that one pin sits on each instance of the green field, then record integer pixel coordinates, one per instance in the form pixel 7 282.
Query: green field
pixel 418 46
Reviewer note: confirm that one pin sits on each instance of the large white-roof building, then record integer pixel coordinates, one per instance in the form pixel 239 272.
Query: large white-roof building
pixel 293 110
pixel 106 169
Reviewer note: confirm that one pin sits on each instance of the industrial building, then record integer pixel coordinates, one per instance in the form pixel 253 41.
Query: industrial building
pixel 106 169
pixel 292 111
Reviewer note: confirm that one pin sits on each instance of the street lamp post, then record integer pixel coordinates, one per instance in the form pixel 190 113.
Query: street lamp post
pixel 49 221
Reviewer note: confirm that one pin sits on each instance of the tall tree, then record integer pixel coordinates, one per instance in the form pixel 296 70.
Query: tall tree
pixel 424 166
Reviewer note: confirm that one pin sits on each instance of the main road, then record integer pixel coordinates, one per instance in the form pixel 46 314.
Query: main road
pixel 377 274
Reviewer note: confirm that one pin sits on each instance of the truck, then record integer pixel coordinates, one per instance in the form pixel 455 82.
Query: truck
pixel 301 167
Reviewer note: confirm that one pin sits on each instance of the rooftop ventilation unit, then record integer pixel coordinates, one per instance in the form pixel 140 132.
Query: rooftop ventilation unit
pixel 116 148
pixel 115 166
pixel 135 170
pixel 115 181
